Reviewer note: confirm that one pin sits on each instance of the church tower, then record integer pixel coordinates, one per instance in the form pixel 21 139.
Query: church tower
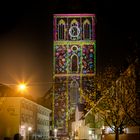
pixel 74 63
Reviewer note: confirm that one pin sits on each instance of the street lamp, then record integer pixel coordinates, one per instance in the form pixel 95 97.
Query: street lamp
pixel 22 87
pixel 90 134
pixel 55 133
pixel 29 130
pixel 103 132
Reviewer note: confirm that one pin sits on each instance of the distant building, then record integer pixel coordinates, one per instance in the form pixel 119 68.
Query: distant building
pixel 20 115
pixel 79 129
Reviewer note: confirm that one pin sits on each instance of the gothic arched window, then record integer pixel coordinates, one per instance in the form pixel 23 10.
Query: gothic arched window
pixel 86 29
pixel 74 65
pixel 74 92
pixel 74 22
pixel 61 29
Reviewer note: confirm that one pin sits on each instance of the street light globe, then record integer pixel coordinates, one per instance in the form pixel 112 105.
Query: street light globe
pixel 22 87
pixel 29 128
pixel 89 132
pixel 55 130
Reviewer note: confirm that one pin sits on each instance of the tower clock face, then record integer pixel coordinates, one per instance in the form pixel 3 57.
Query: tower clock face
pixel 74 31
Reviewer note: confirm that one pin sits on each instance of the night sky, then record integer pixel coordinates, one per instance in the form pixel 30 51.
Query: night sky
pixel 26 39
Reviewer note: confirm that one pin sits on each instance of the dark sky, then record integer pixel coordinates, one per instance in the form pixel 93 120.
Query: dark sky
pixel 26 39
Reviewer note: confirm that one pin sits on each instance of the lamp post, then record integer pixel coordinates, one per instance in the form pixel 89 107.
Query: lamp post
pixel 90 134
pixel 29 130
pixel 55 133
pixel 103 132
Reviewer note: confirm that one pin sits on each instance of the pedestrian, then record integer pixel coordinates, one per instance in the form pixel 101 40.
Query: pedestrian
pixel 17 137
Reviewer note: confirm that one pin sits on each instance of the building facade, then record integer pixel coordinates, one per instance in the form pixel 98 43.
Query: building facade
pixel 20 115
pixel 74 64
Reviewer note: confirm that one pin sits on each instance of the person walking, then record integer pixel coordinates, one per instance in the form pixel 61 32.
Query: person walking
pixel 17 136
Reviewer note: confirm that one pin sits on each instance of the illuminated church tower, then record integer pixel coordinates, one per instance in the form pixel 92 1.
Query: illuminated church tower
pixel 74 63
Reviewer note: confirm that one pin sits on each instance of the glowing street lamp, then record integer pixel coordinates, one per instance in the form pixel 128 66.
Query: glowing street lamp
pixel 22 87
pixel 103 130
pixel 90 134
pixel 29 130
pixel 55 132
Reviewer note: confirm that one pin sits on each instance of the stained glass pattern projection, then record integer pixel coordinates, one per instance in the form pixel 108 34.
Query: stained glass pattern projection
pixel 60 102
pixel 60 59
pixel 74 28
pixel 88 59
pixel 74 59
pixel 73 92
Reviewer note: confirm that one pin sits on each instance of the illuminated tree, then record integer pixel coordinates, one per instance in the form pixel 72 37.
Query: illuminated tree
pixel 113 98
pixel 130 81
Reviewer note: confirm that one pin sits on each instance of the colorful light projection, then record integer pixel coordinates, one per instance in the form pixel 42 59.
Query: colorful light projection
pixel 67 94
pixel 78 59
pixel 60 107
pixel 74 54
pixel 74 59
pixel 60 57
pixel 79 27
pixel 88 59
pixel 87 84
pixel 73 92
